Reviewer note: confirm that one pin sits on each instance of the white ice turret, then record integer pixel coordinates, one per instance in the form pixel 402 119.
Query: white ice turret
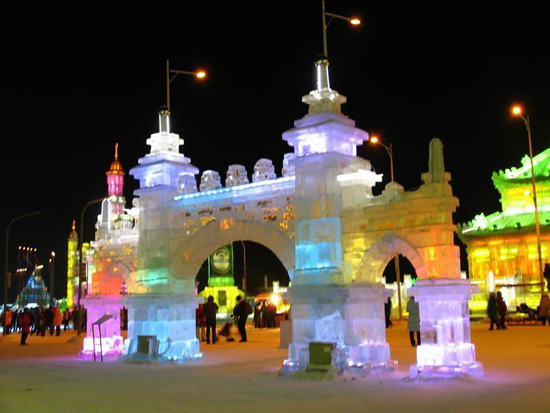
pixel 164 165
pixel 323 98
pixel 324 129
pixel 164 141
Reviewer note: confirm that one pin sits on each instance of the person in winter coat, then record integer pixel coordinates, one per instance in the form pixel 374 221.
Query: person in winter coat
pixel 25 323
pixel 57 320
pixel 502 308
pixel 240 314
pixel 210 310
pixel 413 324
pixel 492 311
pixel 544 309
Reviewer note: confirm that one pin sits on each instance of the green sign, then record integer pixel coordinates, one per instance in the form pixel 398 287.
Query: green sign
pixel 220 264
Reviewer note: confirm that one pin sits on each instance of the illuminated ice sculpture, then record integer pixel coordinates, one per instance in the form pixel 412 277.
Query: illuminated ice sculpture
pixel 326 307
pixel 446 348
pixel 159 306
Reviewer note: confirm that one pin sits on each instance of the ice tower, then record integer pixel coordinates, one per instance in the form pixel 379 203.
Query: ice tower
pixel 443 297
pixel 162 306
pixel 326 307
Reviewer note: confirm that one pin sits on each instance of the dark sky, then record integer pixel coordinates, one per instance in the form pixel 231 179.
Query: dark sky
pixel 74 85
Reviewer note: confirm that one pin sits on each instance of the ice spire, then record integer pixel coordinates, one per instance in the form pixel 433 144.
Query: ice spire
pixel 436 165
pixel 164 141
pixel 164 119
pixel 323 98
pixel 115 176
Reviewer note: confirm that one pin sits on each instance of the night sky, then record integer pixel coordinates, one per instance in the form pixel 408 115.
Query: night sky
pixel 74 86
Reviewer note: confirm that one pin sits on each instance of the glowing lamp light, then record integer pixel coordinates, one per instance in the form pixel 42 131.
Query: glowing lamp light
pixel 374 139
pixel 517 110
pixel 201 74
pixel 355 21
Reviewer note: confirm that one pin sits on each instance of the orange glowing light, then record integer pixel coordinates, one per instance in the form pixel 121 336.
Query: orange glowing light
pixel 201 74
pixel 355 21
pixel 374 139
pixel 517 110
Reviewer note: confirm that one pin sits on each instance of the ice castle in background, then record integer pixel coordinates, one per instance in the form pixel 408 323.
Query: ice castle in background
pixel 321 220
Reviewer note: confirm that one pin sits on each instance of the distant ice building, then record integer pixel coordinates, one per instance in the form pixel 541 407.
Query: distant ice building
pixel 503 247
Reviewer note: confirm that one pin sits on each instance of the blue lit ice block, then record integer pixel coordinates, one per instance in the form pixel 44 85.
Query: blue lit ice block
pixel 170 319
pixel 446 349
pixel 352 317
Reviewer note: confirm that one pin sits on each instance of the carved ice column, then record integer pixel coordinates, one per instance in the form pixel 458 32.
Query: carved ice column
pixel 326 306
pixel 446 348
pixel 161 305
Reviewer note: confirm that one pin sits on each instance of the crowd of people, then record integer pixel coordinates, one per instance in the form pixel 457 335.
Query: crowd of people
pixel 40 321
pixel 265 312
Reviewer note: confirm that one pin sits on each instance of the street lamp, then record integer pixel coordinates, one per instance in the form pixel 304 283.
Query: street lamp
pixel 354 21
pixel 517 111
pixel 389 149
pixel 199 74
pixel 80 243
pixel 5 330
pixel 51 269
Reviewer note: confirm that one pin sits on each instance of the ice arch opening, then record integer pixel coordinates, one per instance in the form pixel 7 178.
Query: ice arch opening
pixel 260 263
pixel 194 250
pixel 379 255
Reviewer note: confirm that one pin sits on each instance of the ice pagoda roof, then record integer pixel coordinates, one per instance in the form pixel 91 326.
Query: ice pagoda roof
pixel 522 175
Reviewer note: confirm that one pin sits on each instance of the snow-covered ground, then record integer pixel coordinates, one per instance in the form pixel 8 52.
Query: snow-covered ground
pixel 46 376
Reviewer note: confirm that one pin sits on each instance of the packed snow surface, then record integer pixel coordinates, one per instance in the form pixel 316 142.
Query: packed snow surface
pixel 46 376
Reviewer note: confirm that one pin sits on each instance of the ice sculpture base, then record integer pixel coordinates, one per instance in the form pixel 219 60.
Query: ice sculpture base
pixel 108 346
pixel 351 317
pixel 170 320
pixel 446 350
pixel 443 372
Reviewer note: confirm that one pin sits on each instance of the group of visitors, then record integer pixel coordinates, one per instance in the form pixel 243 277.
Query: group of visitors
pixel 265 312
pixel 497 310
pixel 206 320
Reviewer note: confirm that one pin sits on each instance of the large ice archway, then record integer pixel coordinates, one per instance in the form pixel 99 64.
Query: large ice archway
pixel 377 257
pixel 195 249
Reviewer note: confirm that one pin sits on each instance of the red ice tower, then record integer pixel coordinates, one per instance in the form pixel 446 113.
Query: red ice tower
pixel 115 184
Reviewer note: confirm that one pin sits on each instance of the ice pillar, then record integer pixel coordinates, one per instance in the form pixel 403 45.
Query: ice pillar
pixel 162 304
pixel 326 307
pixel 111 342
pixel 446 349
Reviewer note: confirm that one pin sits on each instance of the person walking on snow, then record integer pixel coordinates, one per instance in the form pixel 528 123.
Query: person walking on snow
pixel 25 323
pixel 240 313
pixel 544 309
pixel 492 311
pixel 210 310
pixel 502 308
pixel 413 324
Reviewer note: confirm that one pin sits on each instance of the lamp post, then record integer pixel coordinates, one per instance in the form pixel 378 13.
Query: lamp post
pixel 80 243
pixel 244 269
pixel 354 21
pixel 389 149
pixel 518 112
pixel 51 263
pixel 4 331
pixel 199 74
